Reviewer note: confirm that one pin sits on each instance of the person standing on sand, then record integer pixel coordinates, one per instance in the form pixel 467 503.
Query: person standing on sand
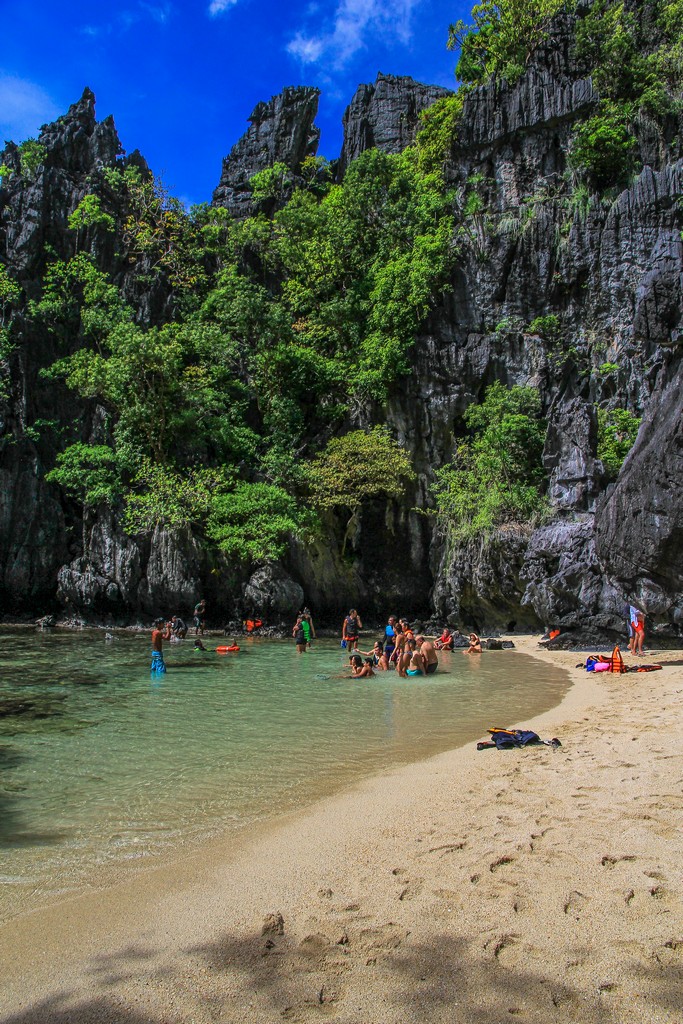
pixel 638 627
pixel 429 656
pixel 199 612
pixel 351 628
pixel 158 637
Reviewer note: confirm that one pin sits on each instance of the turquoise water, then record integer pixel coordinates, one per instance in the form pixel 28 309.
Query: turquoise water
pixel 101 765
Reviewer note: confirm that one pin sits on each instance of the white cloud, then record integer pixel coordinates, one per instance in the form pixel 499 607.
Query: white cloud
pixel 217 7
pixel 24 108
pixel 355 22
pixel 307 50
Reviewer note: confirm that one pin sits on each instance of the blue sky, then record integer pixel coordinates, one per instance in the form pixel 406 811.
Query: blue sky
pixel 182 77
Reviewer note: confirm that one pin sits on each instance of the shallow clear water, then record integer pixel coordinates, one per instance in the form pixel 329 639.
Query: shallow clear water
pixel 107 765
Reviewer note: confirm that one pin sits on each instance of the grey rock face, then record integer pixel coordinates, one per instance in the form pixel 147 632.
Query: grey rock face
pixel 272 593
pixel 573 469
pixel 384 115
pixel 639 524
pixel 282 130
pixel 611 273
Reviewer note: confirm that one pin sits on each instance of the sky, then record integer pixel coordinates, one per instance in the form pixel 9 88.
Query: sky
pixel 182 76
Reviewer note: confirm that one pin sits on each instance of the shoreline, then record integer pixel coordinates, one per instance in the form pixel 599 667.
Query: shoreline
pixel 382 876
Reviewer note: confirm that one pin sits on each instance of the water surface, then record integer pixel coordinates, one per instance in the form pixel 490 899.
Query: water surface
pixel 102 765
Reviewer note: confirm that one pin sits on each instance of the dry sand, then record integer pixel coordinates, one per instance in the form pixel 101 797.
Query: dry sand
pixel 476 887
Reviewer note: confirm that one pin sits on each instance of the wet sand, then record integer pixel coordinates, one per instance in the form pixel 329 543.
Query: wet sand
pixel 476 887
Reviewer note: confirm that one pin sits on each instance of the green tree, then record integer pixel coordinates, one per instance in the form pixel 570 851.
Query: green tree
pixel 255 521
pixel 617 432
pixel 438 125
pixel 161 496
pixel 10 294
pixel 89 212
pixel 90 473
pixel 604 147
pixel 79 304
pixel 158 234
pixel 502 38
pixel 356 468
pixel 271 185
pixel 31 155
pixel 497 474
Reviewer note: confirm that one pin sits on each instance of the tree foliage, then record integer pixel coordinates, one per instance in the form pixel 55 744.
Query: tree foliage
pixel 254 522
pixel 357 467
pixel 88 472
pixel 497 476
pixel 89 212
pixel 635 58
pixel 501 39
pixel 31 157
pixel 617 432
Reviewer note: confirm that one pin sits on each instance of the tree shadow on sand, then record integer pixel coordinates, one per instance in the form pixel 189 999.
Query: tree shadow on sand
pixel 378 974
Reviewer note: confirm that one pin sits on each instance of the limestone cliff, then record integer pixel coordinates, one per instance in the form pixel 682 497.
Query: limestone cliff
pixel 609 271
pixel 282 131
pixel 385 115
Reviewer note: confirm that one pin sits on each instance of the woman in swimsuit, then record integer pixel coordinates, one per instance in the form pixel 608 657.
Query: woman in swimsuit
pixel 475 645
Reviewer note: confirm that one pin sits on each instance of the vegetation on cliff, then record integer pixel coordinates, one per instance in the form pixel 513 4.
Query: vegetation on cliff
pixel 497 476
pixel 279 323
pixel 229 407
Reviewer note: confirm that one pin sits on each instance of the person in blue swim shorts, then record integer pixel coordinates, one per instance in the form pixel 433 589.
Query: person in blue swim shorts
pixel 160 631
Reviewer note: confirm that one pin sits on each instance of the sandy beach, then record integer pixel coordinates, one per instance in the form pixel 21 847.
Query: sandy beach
pixel 477 887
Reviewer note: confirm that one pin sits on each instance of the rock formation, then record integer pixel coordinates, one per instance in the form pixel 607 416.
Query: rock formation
pixel 639 523
pixel 282 131
pixel 385 115
pixel 610 272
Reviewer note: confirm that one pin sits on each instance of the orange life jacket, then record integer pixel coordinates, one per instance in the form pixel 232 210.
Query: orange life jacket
pixel 617 662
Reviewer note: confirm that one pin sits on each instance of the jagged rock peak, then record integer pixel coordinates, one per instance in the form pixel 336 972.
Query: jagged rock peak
pixel 385 115
pixel 76 142
pixel 282 131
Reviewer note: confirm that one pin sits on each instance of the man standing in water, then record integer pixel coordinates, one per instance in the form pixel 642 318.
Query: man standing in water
pixel 199 613
pixel 158 637
pixel 351 628
pixel 428 652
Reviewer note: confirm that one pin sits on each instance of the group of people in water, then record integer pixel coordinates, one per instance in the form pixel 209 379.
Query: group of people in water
pixel 410 654
pixel 400 648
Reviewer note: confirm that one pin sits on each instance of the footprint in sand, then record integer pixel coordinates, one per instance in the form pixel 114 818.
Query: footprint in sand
pixel 447 848
pixel 575 903
pixel 502 942
pixel 609 862
pixel 315 945
pixel 384 937
pixel 501 862
pixel 522 904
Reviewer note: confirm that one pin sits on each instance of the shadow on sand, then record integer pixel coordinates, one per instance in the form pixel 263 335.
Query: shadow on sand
pixel 378 975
